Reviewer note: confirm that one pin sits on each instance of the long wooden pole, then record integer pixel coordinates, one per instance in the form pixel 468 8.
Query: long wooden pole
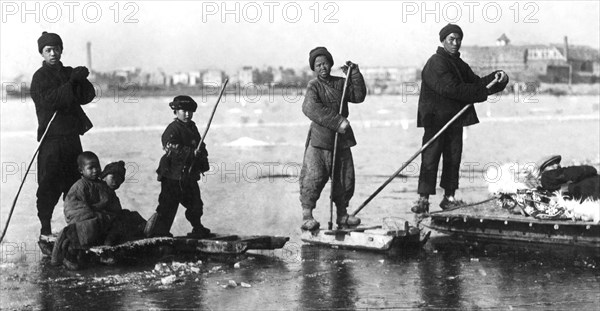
pixel 212 114
pixel 14 203
pixel 374 194
pixel 335 143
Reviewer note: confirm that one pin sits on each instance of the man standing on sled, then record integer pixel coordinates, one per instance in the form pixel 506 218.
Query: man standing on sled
pixel 448 85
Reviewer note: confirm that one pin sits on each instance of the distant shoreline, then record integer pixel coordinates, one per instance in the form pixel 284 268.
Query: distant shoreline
pixel 556 89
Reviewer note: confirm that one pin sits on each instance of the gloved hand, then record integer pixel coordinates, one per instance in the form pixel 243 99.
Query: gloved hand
pixel 351 65
pixel 201 152
pixel 79 73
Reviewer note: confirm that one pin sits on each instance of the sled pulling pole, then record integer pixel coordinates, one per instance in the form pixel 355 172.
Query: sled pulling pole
pixel 209 121
pixel 335 145
pixel 14 203
pixel 212 114
pixel 389 180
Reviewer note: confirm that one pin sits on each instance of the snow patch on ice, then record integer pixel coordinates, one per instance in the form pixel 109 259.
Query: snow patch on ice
pixel 247 142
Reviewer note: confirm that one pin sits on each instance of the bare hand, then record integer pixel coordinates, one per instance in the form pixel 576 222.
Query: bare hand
pixel 170 146
pixel 343 127
pixel 349 64
pixel 503 76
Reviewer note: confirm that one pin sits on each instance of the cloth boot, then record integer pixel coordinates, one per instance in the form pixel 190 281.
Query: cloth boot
pixel 344 220
pixel 155 227
pixel 199 231
pixel 308 221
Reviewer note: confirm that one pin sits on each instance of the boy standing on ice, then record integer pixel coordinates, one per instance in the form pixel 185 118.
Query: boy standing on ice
pixel 61 90
pixel 179 171
pixel 321 105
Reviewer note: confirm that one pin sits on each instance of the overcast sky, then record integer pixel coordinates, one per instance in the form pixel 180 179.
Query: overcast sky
pixel 184 36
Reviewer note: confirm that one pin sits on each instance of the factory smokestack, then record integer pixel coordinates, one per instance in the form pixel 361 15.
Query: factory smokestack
pixel 566 43
pixel 89 56
pixel 566 48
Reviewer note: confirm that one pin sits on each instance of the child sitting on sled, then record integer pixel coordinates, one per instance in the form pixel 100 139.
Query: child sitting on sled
pixel 128 225
pixel 93 212
pixel 179 171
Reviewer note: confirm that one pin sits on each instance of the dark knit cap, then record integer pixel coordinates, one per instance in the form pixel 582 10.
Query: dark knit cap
pixel 316 52
pixel 183 102
pixel 448 29
pixel 49 39
pixel 115 168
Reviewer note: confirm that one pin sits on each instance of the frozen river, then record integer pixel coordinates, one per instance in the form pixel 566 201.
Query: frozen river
pixel 256 151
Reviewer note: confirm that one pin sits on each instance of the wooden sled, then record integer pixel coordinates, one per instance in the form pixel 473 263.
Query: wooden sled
pixel 373 238
pixel 164 246
pixel 488 222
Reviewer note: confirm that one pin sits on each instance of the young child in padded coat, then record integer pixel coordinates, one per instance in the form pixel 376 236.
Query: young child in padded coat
pixel 93 212
pixel 90 207
pixel 322 105
pixel 179 171
pixel 91 201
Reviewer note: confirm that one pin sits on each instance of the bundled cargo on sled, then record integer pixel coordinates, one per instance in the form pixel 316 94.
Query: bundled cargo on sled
pixel 545 224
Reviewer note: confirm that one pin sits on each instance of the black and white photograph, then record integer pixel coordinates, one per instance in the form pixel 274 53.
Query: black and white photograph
pixel 300 155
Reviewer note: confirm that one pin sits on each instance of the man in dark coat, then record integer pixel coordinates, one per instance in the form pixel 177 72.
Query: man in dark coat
pixel 322 105
pixel 448 85
pixel 61 90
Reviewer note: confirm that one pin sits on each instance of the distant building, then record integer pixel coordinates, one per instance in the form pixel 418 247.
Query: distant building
pixel 535 62
pixel 194 78
pixel 485 59
pixel 388 79
pixel 277 75
pixel 180 78
pixel 290 76
pixel 157 78
pixel 212 77
pixel 126 74
pixel 245 76
pixel 584 62
pixel 503 40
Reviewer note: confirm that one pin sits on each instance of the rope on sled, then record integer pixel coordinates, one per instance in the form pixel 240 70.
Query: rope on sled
pixel 425 216
pixel 467 205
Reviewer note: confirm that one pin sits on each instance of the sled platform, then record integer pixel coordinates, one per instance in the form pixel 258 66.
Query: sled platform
pixel 373 238
pixel 488 222
pixel 163 246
